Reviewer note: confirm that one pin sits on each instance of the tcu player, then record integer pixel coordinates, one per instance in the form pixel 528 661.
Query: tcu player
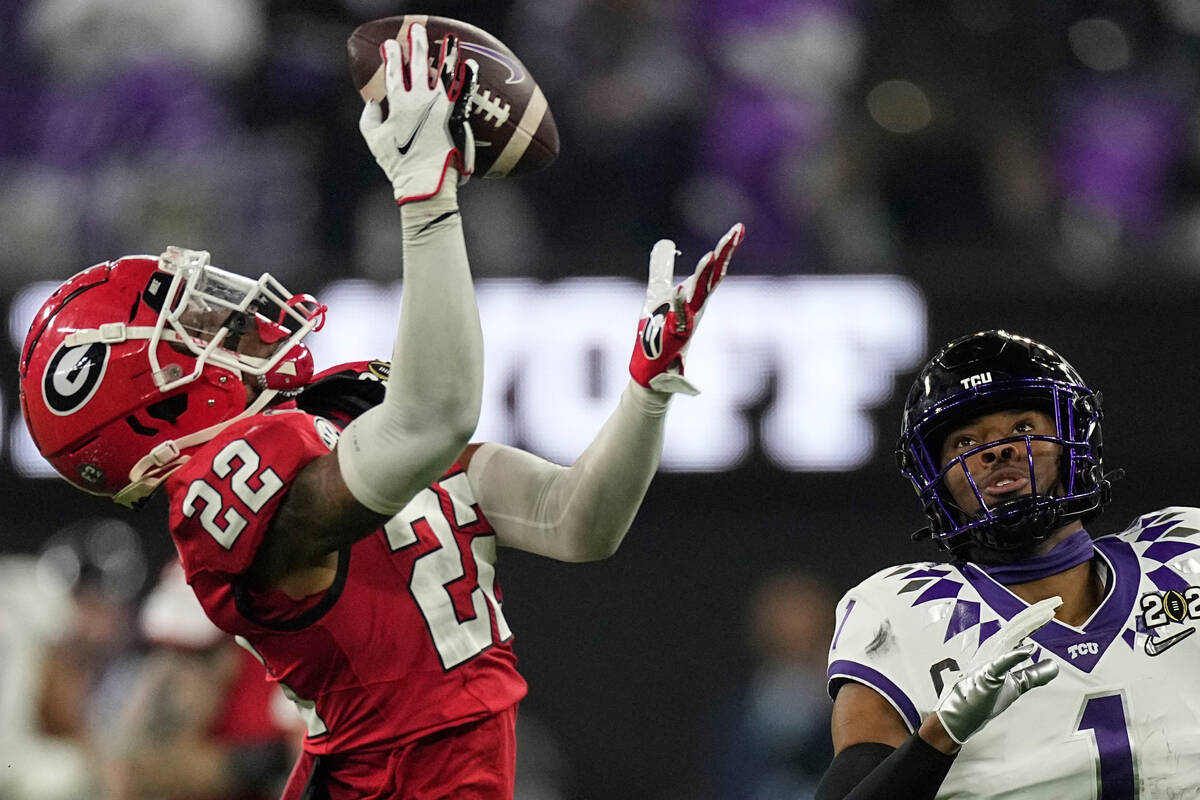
pixel 1001 438
pixel 340 526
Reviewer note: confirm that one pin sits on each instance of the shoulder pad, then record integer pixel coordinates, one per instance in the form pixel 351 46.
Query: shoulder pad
pixel 345 392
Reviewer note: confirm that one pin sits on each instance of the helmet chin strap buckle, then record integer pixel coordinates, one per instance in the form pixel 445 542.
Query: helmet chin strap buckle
pixel 108 333
pixel 137 493
pixel 113 333
pixel 164 453
pixel 149 473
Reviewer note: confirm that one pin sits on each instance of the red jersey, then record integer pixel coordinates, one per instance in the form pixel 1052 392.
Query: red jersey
pixel 409 639
pixel 246 715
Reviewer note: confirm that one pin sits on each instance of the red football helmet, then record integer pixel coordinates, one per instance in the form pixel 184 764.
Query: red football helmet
pixel 133 362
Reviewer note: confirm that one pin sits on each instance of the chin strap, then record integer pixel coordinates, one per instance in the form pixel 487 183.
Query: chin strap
pixel 166 457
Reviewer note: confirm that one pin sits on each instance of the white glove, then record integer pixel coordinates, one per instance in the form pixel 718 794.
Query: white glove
pixel 991 682
pixel 670 316
pixel 416 144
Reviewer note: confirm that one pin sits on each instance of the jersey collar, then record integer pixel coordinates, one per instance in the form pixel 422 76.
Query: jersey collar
pixel 1080 647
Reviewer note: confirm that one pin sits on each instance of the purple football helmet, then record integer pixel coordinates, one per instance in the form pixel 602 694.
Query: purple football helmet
pixel 995 371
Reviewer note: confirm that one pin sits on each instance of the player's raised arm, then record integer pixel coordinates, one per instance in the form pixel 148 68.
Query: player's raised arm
pixel 582 512
pixel 432 401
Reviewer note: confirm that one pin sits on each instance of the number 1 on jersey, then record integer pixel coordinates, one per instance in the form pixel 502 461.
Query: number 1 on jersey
pixel 1104 716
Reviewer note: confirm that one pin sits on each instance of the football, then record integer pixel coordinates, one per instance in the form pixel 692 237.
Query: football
pixel 1175 605
pixel 514 130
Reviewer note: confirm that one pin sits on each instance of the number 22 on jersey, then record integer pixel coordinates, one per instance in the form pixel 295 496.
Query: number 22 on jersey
pixel 429 520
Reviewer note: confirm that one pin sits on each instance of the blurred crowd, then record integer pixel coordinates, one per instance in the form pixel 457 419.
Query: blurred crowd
pixel 114 685
pixel 1037 136
pixel 769 733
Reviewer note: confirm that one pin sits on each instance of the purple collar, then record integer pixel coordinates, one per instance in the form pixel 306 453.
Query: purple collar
pixel 1070 552
pixel 1102 629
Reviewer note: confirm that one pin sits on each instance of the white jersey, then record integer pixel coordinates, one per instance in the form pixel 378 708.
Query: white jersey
pixel 1121 720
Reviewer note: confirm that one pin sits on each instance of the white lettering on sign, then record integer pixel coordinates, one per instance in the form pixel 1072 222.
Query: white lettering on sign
pixel 556 360
pixel 557 354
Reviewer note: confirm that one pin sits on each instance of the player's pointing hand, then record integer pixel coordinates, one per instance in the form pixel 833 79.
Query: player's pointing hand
pixel 670 316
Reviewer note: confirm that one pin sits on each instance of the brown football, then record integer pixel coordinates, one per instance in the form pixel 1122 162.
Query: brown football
pixel 514 130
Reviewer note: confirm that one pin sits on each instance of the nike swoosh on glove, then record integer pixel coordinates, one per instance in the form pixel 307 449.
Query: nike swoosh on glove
pixel 427 111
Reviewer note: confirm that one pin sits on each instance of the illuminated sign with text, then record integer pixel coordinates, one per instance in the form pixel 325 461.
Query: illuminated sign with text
pixel 820 351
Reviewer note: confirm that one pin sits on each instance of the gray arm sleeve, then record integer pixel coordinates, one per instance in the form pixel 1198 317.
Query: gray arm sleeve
pixel 580 512
pixel 435 389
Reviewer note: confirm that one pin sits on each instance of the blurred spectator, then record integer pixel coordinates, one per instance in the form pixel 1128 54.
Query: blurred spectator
pixel 777 73
pixel 134 139
pixel 771 739
pixel 65 636
pixel 1119 132
pixel 81 37
pixel 201 722
pixel 627 98
pixel 35 764
pixel 1075 160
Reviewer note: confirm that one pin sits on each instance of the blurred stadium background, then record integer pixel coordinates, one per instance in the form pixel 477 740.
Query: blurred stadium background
pixel 908 172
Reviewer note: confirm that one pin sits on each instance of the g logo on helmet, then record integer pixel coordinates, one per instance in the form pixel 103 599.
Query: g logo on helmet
pixel 652 334
pixel 73 375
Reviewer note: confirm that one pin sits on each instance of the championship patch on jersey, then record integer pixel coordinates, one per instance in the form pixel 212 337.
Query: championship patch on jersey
pixel 1171 614
pixel 1169 617
pixel 378 370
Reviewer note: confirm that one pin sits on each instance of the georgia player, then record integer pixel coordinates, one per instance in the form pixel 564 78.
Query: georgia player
pixel 340 526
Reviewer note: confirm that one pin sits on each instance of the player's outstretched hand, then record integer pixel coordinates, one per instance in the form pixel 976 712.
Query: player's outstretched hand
pixel 992 682
pixel 670 316
pixel 426 131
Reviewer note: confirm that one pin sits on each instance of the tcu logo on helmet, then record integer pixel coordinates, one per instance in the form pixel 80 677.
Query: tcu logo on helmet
pixel 976 380
pixel 73 375
pixel 652 334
